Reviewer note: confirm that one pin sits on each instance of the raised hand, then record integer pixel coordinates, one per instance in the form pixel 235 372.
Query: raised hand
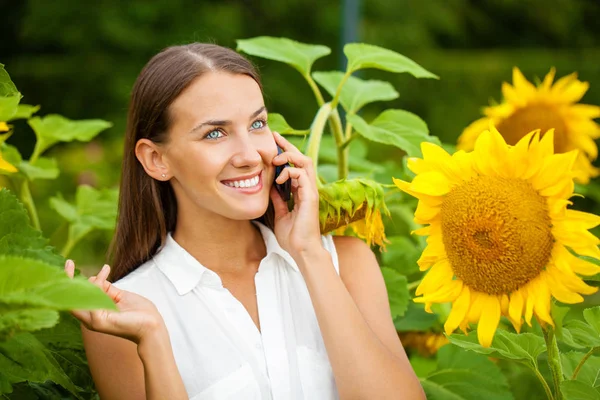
pixel 297 230
pixel 136 318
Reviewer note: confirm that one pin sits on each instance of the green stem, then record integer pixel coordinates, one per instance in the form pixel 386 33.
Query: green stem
pixel 348 140
pixel 583 360
pixel 335 124
pixel 348 131
pixel 315 89
pixel 413 285
pixel 338 92
pixel 554 360
pixel 29 204
pixel 37 151
pixel 543 381
pixel 68 247
pixel 316 132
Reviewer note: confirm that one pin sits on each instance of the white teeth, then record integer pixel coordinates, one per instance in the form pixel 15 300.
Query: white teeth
pixel 247 183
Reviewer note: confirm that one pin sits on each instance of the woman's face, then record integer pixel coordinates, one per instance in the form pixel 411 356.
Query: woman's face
pixel 220 148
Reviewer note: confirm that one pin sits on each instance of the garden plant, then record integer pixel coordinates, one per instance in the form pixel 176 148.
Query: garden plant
pixel 481 239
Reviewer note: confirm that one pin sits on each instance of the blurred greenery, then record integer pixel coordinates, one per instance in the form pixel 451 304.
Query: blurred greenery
pixel 80 60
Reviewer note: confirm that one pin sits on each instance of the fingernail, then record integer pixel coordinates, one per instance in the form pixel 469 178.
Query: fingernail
pixel 70 263
pixel 104 268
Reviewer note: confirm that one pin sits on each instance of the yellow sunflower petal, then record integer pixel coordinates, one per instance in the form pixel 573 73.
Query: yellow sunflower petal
pixel 541 298
pixel 548 79
pixel 6 166
pixel 515 309
pixel 522 85
pixel 460 307
pixel 432 183
pixel 436 277
pixel 446 293
pixel 585 111
pixel 560 291
pixel 489 319
pixel 574 92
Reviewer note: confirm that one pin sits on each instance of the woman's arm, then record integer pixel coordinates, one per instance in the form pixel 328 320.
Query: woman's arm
pixel 354 316
pixel 129 352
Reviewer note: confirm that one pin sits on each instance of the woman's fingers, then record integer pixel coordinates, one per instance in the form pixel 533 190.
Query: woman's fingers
pixel 284 143
pixel 306 186
pixel 70 268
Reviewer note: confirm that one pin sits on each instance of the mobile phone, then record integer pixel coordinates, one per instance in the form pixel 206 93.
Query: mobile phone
pixel 284 189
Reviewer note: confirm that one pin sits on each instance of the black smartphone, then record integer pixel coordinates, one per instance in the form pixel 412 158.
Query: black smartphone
pixel 284 189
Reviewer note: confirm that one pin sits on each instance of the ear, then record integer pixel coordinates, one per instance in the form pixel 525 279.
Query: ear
pixel 151 156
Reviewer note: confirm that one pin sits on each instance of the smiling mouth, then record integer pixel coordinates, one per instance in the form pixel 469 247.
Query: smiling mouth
pixel 249 183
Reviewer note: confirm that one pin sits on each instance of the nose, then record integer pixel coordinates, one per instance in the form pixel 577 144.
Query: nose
pixel 246 153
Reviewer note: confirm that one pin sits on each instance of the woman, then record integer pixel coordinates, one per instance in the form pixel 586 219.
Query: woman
pixel 213 303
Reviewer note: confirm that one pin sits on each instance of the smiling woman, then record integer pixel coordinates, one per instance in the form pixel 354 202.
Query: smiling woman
pixel 223 292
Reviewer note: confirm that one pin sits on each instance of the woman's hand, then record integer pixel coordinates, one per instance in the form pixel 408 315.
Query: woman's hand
pixel 137 316
pixel 298 230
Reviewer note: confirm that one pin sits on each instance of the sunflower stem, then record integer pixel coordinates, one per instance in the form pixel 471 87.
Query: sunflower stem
pixel 583 360
pixel 543 382
pixel 554 360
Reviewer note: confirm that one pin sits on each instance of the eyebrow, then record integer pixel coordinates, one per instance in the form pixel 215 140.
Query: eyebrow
pixel 226 122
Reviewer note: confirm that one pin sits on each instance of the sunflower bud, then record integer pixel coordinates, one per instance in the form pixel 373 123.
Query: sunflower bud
pixel 354 203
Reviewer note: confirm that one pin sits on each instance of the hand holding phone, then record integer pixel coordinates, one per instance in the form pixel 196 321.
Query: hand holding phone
pixel 284 189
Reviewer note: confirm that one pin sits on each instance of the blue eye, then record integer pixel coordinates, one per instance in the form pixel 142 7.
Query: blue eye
pixel 258 124
pixel 212 135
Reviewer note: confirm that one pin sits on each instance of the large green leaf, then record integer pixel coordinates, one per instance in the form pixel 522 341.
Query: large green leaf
pixel 278 123
pixel 55 128
pixel 42 168
pixel 401 254
pixel 9 96
pixel 416 319
pixel 299 55
pixel 524 347
pixel 13 321
pixel 398 128
pixel 362 56
pixel 357 158
pixel 17 237
pixel 577 333
pixel 356 92
pixel 24 358
pixel 592 317
pixel 397 290
pixel 93 209
pixel 28 282
pixel 465 376
pixel 577 390
pixel 589 372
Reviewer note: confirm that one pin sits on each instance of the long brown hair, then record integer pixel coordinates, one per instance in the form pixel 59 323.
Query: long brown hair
pixel 147 207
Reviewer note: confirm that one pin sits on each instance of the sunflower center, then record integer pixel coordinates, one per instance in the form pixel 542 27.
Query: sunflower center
pixel 497 233
pixel 532 117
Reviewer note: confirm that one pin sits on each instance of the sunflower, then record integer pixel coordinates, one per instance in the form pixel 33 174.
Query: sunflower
pixel 527 108
pixel 4 165
pixel 425 343
pixel 500 231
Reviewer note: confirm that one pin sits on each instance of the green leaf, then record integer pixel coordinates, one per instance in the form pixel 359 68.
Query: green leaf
pixel 37 284
pixel 356 92
pixel 398 128
pixel 25 111
pixel 94 209
pixel 17 237
pixel 577 390
pixel 465 376
pixel 592 317
pixel 401 254
pixel 362 56
pixel 9 96
pixel 416 319
pixel 24 358
pixel 579 334
pixel 23 320
pixel 422 366
pixel 279 124
pixel 54 128
pixel 357 158
pixel 397 291
pixel 524 347
pixel 299 55
pixel 589 372
pixel 42 168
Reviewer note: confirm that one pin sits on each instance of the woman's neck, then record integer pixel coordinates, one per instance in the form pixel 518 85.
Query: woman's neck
pixel 221 244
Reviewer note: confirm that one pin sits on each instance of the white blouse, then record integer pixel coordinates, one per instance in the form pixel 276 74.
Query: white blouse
pixel 218 349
